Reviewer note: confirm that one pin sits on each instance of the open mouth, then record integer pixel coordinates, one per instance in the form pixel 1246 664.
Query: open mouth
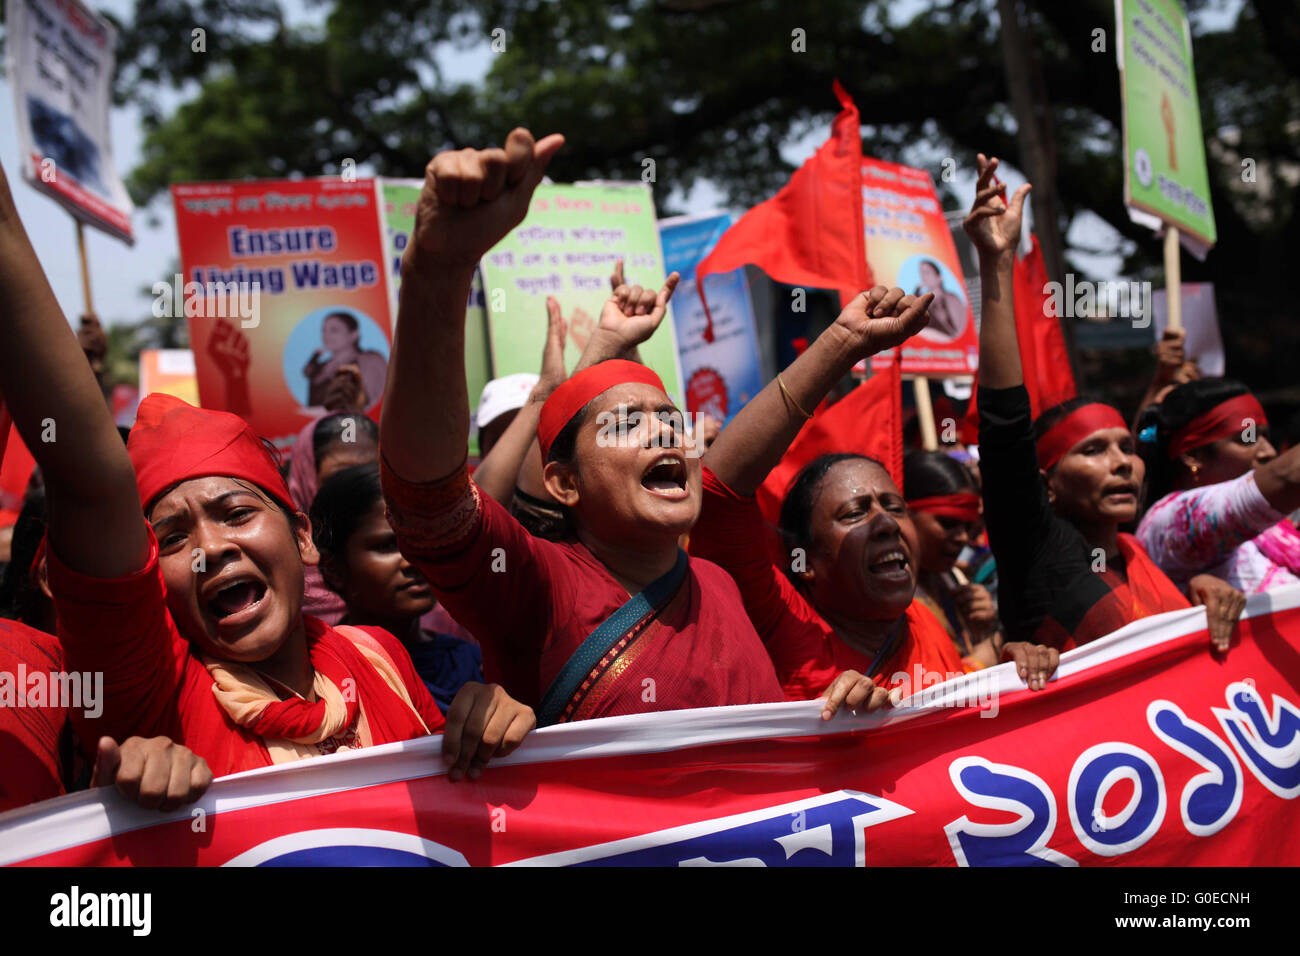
pixel 1120 491
pixel 237 600
pixel 892 565
pixel 666 477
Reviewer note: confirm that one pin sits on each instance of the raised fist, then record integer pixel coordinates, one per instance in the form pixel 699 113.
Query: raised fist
pixel 883 319
pixel 472 198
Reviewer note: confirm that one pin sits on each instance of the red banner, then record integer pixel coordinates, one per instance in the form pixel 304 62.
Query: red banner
pixel 1145 749
pixel 284 281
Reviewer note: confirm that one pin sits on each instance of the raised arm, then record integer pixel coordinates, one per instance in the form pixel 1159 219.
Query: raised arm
pixel 1172 368
pixel 757 438
pixel 994 227
pixel 499 471
pixel 1279 480
pixel 95 523
pixel 470 200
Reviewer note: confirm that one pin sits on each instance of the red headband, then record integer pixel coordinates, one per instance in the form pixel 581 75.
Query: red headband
pixel 963 507
pixel 1222 421
pixel 173 441
pixel 569 399
pixel 1074 428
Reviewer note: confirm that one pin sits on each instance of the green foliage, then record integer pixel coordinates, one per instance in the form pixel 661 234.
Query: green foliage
pixel 713 89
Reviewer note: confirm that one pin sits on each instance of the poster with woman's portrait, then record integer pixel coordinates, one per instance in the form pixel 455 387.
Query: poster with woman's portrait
pixel 284 284
pixel 327 340
pixel 909 244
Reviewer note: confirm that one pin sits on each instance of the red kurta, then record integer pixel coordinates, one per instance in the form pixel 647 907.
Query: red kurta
pixel 807 652
pixel 29 735
pixel 531 603
pixel 154 683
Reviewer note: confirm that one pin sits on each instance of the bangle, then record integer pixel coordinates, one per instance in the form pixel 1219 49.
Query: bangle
pixel 790 398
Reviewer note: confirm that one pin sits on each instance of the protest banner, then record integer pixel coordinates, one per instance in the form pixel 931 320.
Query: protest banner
pixel 1164 150
pixel 1144 749
pixel 284 281
pixel 723 374
pixel 61 61
pixel 170 371
pixel 1204 343
pixel 399 197
pixel 909 244
pixel 567 247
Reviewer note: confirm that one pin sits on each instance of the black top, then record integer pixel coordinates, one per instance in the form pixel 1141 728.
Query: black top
pixel 1045 565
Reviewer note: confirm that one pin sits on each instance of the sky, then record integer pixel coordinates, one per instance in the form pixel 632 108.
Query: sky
pixel 119 273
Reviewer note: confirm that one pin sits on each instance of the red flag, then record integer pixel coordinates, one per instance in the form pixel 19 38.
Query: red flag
pixel 811 232
pixel 1053 378
pixel 16 467
pixel 867 421
pixel 1044 359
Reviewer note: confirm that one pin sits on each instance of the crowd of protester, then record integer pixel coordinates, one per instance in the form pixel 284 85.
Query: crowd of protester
pixel 602 558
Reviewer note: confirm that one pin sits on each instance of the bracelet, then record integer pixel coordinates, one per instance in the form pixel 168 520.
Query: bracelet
pixel 790 398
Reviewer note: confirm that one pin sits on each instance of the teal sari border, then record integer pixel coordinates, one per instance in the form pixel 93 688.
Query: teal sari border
pixel 598 643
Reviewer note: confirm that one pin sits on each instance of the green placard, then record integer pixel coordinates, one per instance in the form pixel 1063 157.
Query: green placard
pixel 567 247
pixel 1164 151
pixel 398 199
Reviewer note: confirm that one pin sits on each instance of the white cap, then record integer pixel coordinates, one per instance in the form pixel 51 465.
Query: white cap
pixel 502 395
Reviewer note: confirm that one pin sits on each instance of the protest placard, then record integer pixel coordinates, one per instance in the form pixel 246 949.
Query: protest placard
pixel 567 247
pixel 61 58
pixel 1204 343
pixel 910 245
pixel 1164 150
pixel 170 371
pixel 723 374
pixel 284 282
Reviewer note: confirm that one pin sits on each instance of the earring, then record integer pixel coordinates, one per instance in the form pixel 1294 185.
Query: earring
pixel 1196 474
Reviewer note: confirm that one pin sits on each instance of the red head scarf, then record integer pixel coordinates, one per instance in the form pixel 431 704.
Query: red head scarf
pixel 1222 421
pixel 173 441
pixel 1074 428
pixel 569 399
pixel 964 506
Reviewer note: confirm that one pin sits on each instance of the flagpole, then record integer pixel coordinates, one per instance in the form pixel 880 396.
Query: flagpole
pixel 1173 279
pixel 85 268
pixel 925 412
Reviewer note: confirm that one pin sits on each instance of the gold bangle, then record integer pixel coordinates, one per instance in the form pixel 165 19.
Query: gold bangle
pixel 790 398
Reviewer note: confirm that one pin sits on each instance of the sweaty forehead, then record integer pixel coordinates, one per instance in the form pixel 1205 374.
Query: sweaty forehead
pixel 853 477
